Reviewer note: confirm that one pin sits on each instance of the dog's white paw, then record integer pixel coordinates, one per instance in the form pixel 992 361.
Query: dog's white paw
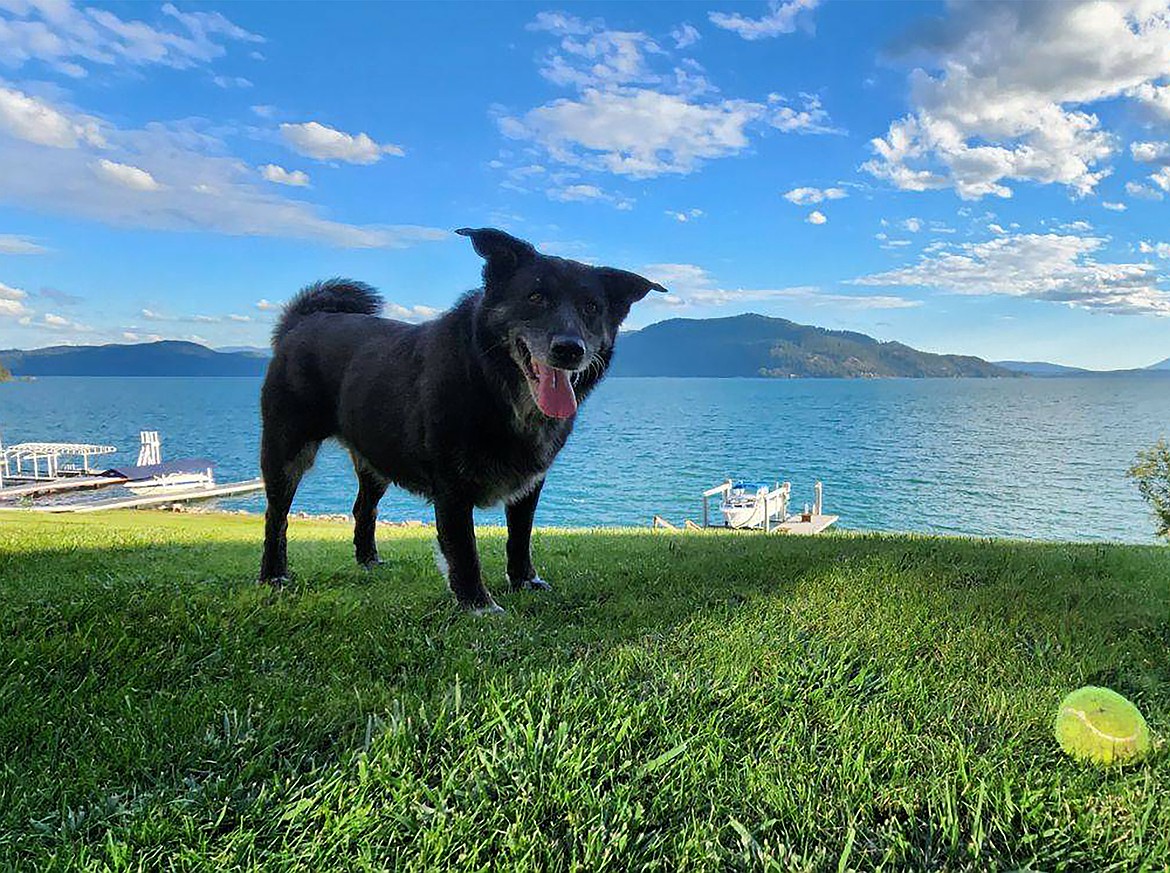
pixel 533 584
pixel 491 608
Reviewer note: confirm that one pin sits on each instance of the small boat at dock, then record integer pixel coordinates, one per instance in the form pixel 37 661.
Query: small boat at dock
pixel 745 505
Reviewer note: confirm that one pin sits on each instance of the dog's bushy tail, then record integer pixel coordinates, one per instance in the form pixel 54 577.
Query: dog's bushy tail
pixel 328 295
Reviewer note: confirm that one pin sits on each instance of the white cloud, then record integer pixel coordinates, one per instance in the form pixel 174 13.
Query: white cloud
pixel 7 292
pixel 226 82
pixel 69 39
pixel 1143 192
pixel 587 194
pixel 810 196
pixel 314 140
pixel 200 318
pixel 1162 178
pixel 688 215
pixel 134 178
pixel 410 313
pixel 692 285
pixel 1004 92
pixel 32 120
pixel 816 217
pixel 782 17
pixel 263 110
pixel 193 183
pixel 637 132
pixel 590 56
pixel 1155 98
pixel 1113 207
pixel 913 224
pixel 281 176
pixel 1161 249
pixel 1150 152
pixel 265 305
pixel 685 35
pixel 810 118
pixel 58 322
pixel 11 305
pixel 1054 267
pixel 11 244
pixel 636 112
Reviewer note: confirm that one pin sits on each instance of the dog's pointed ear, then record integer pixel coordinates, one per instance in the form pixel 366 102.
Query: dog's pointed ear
pixel 624 288
pixel 503 252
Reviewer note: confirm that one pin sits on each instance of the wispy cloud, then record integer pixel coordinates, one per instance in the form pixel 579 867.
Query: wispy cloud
pixel 1054 267
pixel 782 17
pixel 692 285
pixel 12 244
pixel 167 177
pixel 73 40
pixel 637 112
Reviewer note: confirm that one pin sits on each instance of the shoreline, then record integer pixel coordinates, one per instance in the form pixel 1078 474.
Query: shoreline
pixel 836 530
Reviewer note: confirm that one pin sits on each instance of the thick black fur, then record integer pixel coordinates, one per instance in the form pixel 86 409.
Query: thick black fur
pixel 444 409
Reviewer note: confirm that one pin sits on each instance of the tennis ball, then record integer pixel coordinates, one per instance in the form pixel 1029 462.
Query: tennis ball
pixel 1099 725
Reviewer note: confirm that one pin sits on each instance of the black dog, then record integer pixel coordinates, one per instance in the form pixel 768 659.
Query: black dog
pixel 467 410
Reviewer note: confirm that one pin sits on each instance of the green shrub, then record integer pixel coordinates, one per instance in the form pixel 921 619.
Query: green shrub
pixel 1151 472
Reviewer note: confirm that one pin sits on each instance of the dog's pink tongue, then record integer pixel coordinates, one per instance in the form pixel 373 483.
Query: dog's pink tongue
pixel 554 391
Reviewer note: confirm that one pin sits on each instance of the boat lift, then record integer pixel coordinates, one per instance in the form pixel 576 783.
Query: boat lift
pixel 750 506
pixel 43 461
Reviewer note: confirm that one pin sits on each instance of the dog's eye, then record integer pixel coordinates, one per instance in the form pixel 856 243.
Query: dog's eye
pixel 591 308
pixel 536 297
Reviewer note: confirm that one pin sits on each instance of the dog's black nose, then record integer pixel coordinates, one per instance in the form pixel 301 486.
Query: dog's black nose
pixel 566 352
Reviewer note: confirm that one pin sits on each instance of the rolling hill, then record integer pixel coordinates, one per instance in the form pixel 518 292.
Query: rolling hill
pixel 167 358
pixel 757 345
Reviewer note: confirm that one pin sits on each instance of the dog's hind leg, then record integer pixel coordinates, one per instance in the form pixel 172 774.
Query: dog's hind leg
pixel 520 514
pixel 371 487
pixel 455 526
pixel 283 461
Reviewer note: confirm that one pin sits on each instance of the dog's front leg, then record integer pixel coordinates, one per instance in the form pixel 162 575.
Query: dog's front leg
pixel 521 573
pixel 455 526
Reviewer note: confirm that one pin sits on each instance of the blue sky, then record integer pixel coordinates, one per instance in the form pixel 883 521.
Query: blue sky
pixel 983 178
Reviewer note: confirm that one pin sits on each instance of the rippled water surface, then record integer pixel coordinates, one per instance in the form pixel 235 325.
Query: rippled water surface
pixel 1023 457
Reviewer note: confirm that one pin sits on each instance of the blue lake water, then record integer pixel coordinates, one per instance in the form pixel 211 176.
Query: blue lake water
pixel 1026 458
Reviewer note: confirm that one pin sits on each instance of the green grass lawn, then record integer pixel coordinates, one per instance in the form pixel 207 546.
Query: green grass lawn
pixel 709 702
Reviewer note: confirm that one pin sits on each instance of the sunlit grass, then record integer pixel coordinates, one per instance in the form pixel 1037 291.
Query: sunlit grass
pixel 710 701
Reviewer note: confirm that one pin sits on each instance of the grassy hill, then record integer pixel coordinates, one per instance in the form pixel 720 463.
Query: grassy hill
pixel 4 374
pixel 756 345
pixel 710 702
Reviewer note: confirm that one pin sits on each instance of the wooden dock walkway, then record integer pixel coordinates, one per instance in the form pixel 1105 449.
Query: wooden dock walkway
pixel 794 525
pixel 230 489
pixel 56 486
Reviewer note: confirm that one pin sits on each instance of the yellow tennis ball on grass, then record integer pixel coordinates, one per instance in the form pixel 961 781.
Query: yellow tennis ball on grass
pixel 1099 725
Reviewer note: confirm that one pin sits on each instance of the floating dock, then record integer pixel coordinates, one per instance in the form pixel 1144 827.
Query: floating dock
pixel 58 486
pixel 230 489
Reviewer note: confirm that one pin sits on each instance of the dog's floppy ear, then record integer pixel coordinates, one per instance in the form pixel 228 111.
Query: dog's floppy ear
pixel 624 288
pixel 502 251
